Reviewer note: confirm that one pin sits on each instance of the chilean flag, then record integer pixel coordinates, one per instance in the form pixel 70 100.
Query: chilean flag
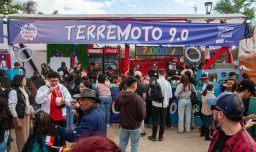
pixel 5 60
pixel 49 140
pixel 73 59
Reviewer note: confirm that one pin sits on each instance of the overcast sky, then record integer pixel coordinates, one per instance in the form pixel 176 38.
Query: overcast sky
pixel 121 6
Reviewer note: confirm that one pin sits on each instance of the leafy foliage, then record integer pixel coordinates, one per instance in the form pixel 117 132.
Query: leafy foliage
pixel 246 7
pixel 10 6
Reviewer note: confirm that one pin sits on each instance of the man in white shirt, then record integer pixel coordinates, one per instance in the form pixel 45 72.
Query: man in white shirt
pixel 160 109
pixel 53 98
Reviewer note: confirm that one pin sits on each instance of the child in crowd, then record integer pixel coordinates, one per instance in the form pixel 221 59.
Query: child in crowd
pixel 43 127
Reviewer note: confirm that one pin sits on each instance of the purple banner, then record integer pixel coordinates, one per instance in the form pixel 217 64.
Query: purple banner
pixel 132 32
pixel 1 31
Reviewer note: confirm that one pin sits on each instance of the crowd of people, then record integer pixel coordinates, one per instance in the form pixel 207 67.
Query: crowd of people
pixel 63 105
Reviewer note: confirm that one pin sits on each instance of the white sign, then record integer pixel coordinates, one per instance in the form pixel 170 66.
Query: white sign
pixel 55 62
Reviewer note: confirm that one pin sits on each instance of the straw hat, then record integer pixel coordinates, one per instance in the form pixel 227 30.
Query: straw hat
pixel 229 84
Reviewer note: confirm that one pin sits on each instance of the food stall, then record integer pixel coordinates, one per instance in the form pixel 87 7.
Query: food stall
pixel 152 29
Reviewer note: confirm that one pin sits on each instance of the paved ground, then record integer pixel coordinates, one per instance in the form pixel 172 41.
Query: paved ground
pixel 173 141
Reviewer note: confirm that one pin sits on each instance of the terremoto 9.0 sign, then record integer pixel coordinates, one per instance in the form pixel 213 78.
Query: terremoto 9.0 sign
pixel 116 32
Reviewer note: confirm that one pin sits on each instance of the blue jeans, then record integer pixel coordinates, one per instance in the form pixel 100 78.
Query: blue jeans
pixel 184 113
pixel 3 144
pixel 70 118
pixel 207 120
pixel 105 106
pixel 124 136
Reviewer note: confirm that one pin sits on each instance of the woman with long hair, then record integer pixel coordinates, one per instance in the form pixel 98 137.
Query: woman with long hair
pixel 43 127
pixel 31 89
pixel 20 109
pixel 183 93
pixel 122 85
pixel 103 86
pixel 5 121
pixel 206 111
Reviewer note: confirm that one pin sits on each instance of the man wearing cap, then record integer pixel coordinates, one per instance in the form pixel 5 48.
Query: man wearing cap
pixel 153 72
pixel 78 69
pixel 173 73
pixel 205 79
pixel 63 70
pixel 93 121
pixel 132 112
pixel 230 135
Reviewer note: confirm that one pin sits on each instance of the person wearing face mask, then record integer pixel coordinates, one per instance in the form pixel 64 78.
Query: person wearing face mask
pixel 230 135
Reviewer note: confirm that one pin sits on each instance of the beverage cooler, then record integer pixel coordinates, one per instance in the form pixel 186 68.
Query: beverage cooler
pixel 111 61
pixel 95 62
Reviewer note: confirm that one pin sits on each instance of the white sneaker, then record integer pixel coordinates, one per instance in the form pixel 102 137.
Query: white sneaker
pixel 108 125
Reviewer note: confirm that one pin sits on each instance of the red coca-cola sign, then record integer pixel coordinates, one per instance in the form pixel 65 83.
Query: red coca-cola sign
pixel 95 51
pixel 112 50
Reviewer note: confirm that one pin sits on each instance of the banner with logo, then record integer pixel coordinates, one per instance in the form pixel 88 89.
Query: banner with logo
pixel 132 32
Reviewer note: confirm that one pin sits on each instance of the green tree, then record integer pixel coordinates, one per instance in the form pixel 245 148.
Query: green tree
pixel 29 7
pixel 10 6
pixel 246 7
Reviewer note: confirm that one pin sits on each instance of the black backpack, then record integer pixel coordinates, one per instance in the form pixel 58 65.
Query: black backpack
pixel 155 92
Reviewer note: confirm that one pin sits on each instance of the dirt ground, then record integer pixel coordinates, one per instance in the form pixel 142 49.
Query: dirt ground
pixel 173 141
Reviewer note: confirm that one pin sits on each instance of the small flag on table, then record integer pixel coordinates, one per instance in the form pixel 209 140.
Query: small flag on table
pixel 49 140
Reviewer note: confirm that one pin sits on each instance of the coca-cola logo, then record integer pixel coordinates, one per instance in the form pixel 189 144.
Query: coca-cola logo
pixel 225 31
pixel 225 35
pixel 111 50
pixel 28 32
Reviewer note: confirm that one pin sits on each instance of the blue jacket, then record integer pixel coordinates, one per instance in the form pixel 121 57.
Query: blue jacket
pixel 93 122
